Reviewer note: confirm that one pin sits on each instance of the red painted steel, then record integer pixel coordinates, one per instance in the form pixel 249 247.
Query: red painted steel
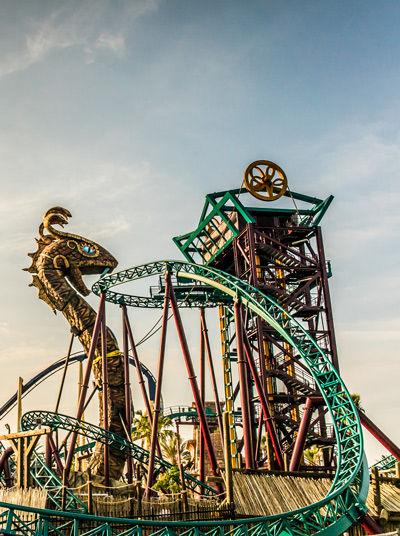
pixel 127 385
pixel 195 389
pixel 47 452
pixel 379 435
pixel 157 401
pixel 140 375
pixel 212 374
pixel 106 421
pixel 302 435
pixel 327 298
pixel 202 396
pixel 244 390
pixel 5 466
pixel 85 384
pixel 370 525
pixel 264 404
pixel 55 454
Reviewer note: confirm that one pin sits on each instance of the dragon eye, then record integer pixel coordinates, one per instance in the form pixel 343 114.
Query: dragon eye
pixel 89 250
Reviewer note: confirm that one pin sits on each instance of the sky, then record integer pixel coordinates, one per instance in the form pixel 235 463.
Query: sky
pixel 129 113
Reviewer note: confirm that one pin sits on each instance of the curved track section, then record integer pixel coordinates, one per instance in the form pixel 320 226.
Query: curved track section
pixel 387 462
pixel 32 419
pixel 340 500
pixel 344 502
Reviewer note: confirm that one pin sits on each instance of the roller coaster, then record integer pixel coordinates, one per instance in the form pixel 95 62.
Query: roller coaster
pixel 257 266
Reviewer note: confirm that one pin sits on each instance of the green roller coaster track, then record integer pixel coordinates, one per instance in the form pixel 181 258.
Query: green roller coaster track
pixel 388 462
pixel 56 421
pixel 335 513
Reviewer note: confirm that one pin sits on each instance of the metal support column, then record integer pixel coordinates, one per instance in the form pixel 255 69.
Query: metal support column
pixel 244 390
pixel 85 384
pixel 127 385
pixel 202 397
pixel 264 404
pixel 302 433
pixel 157 401
pixel 192 378
pixel 212 374
pixel 106 420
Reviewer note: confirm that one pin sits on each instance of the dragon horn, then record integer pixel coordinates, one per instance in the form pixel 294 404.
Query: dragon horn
pixel 44 238
pixel 56 216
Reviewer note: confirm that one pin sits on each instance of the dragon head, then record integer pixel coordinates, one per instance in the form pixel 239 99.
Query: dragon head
pixel 66 254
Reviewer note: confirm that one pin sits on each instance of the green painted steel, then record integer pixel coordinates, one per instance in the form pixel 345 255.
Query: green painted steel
pixel 46 479
pixel 28 521
pixel 344 502
pixel 388 462
pixel 32 419
pixel 343 499
pixel 217 229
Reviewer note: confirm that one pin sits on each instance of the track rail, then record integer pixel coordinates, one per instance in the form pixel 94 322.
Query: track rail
pixel 56 421
pixel 334 514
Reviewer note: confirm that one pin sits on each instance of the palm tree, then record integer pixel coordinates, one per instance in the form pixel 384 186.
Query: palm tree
pixel 356 398
pixel 141 429
pixel 169 447
pixel 313 455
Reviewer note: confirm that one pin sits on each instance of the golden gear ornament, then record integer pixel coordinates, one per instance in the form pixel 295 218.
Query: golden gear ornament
pixel 265 180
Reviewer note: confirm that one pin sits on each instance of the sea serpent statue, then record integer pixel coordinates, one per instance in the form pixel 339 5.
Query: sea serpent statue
pixel 58 266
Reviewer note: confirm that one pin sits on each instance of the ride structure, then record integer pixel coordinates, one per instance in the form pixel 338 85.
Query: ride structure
pixel 280 252
pixel 264 269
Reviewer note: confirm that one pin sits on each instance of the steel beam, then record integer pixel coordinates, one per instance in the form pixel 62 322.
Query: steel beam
pixel 157 401
pixel 379 435
pixel 244 389
pixel 264 404
pixel 192 378
pixel 85 384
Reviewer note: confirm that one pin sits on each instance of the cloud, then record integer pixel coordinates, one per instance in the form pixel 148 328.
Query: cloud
pixel 106 42
pixel 92 27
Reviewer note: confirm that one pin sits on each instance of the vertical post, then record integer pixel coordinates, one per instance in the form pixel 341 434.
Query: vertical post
pixel 104 362
pixel 192 378
pixel 80 439
pixel 128 401
pixel 139 373
pixel 157 401
pixel 228 461
pixel 85 384
pixel 327 298
pixel 181 472
pixel 397 468
pixel 139 497
pixel 26 463
pixel 244 391
pixel 376 489
pixel 202 397
pixel 48 453
pixel 19 403
pixel 64 492
pixel 90 492
pixel 212 373
pixel 64 373
pixel 20 462
pixel 264 404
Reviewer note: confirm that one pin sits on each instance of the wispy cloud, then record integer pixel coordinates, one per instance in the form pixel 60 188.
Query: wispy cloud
pixel 89 26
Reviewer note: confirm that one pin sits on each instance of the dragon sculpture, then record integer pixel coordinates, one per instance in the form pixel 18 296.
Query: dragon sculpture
pixel 58 266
